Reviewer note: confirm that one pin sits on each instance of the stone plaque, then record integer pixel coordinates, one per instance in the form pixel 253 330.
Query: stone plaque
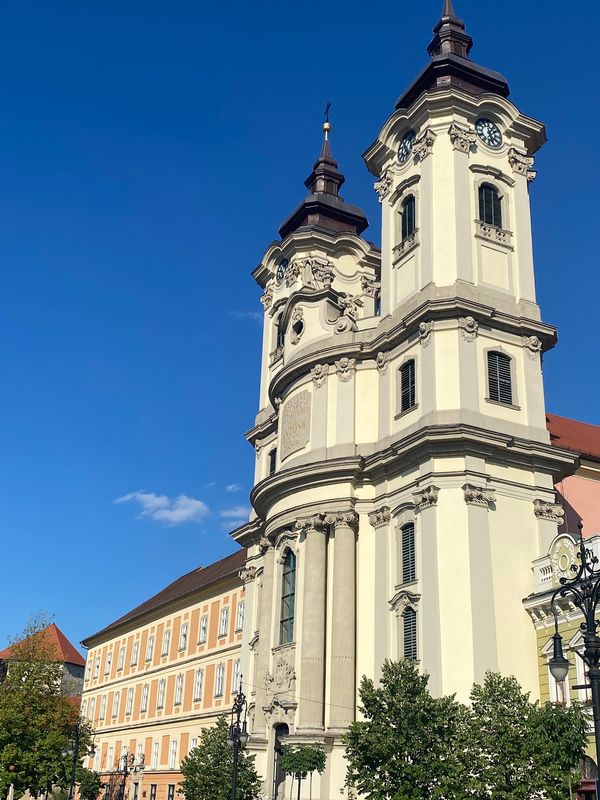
pixel 295 424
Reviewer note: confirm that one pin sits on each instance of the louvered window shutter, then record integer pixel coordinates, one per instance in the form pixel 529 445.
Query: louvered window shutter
pixel 408 553
pixel 496 208
pixel 407 386
pixel 490 205
pixel 408 217
pixel 499 377
pixel 410 633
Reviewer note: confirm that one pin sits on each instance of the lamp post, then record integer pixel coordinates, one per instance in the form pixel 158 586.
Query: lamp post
pixel 238 734
pixel 73 751
pixel 583 589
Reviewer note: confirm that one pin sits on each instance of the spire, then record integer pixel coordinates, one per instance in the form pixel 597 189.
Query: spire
pixel 450 35
pixel 325 207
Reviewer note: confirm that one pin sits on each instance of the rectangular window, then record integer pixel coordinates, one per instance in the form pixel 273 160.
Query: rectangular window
pixel 193 743
pixel 139 755
pixel 409 619
pixel 183 636
pixel 224 621
pixel 145 692
pixel 166 642
pixel 153 791
pixel 499 378
pixel 178 690
pixel 409 572
pixel 97 667
pixel 198 681
pixel 135 653
pixel 103 702
pixel 110 759
pixel 83 707
pixel 171 791
pixel 116 703
pixel 407 386
pixel 129 703
pixel 155 748
pixel 288 599
pixel 150 648
pixel 173 754
pixel 92 710
pixel 237 669
pixel 160 697
pixel 203 632
pixel 121 660
pixel 108 664
pixel 88 670
pixel 239 619
pixel 220 677
pixel 272 461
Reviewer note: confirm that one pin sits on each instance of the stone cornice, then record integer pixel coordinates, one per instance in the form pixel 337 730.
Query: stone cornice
pixel 380 517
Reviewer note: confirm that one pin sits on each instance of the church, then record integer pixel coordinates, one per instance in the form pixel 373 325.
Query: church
pixel 405 476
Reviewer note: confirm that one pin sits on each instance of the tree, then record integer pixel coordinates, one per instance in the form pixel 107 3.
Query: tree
pixel 36 720
pixel 301 760
pixel 207 769
pixel 89 784
pixel 408 745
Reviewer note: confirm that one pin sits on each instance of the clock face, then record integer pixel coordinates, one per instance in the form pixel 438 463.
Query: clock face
pixel 488 132
pixel 406 146
pixel 282 268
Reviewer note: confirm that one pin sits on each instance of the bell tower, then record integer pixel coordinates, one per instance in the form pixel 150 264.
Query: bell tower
pixel 404 474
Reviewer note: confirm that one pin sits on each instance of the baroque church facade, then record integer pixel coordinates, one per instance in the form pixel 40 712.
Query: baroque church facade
pixel 404 476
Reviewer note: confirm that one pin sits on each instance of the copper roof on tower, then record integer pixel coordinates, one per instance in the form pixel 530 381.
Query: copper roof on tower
pixel 450 64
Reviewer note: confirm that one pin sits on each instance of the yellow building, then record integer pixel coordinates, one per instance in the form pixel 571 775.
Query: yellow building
pixel 159 674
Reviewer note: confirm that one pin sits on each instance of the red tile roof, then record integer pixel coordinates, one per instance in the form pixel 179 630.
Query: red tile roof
pixel 199 578
pixel 580 437
pixel 60 644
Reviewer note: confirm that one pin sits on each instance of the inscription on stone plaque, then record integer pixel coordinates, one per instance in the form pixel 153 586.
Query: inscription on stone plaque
pixel 295 424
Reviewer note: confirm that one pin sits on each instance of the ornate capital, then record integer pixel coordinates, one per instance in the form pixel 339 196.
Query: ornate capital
pixel 423 144
pixel 478 495
pixel 346 519
pixel 345 368
pixel 533 345
pixel 247 574
pixel 425 331
pixel 426 497
pixel 267 298
pixel 280 710
pixel 322 271
pixel 550 511
pixel 265 544
pixel 258 446
pixel 383 186
pixel 370 286
pixel 381 516
pixel 461 138
pixel 521 164
pixel 469 328
pixel 382 361
pixel 319 374
pixel 292 273
pixel 315 523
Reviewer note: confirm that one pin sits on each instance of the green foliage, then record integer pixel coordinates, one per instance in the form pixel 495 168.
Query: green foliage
pixel 302 760
pixel 37 722
pixel 89 784
pixel 411 746
pixel 208 768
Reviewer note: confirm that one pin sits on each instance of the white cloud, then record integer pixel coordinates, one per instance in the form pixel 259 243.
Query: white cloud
pixel 236 512
pixel 161 508
pixel 233 487
pixel 256 316
pixel 210 485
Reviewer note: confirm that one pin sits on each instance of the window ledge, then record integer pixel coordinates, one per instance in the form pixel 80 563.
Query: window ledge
pixel 406 245
pixel 402 586
pixel 492 233
pixel 407 411
pixel 504 405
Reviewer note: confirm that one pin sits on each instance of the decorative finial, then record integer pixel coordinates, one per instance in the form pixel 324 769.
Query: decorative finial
pixel 326 123
pixel 448 9
pixel 450 36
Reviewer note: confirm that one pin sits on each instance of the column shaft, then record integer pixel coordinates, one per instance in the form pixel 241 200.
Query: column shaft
pixel 264 641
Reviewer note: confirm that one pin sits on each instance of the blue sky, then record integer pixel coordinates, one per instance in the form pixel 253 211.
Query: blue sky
pixel 148 153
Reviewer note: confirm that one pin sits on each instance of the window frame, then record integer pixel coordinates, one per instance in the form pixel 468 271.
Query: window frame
pixel 160 693
pixel 150 648
pixel 496 217
pixel 144 698
pixel 513 383
pixel 219 680
pixel 135 653
pixel 409 572
pixel 166 642
pixel 410 651
pixel 400 373
pixel 224 621
pixel 287 597
pixel 408 225
pixel 116 704
pixel 236 676
pixel 183 636
pixel 129 701
pixel 178 690
pixel 198 685
pixel 203 629
pixel 240 613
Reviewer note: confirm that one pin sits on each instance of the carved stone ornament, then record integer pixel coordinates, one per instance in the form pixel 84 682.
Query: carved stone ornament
pixel 425 331
pixel 521 164
pixel 292 273
pixel 278 711
pixel 319 374
pixel 563 554
pixel 382 361
pixel 348 519
pixel 247 574
pixel 426 498
pixel 321 271
pixel 267 298
pixel 550 511
pixel 258 446
pixel 383 186
pixel 276 355
pixel 493 233
pixel 469 328
pixel 403 600
pixel 264 544
pixel 253 643
pixel 297 328
pixel 349 306
pixel 381 516
pixel 286 539
pixel 283 675
pixel 423 144
pixel 478 495
pixel 316 522
pixel 345 368
pixel 531 175
pixel 370 286
pixel 461 138
pixel 533 345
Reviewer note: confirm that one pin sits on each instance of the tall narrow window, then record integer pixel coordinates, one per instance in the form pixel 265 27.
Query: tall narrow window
pixel 490 205
pixel 103 702
pixel 198 681
pixel 97 667
pixel 272 461
pixel 288 598
pixel 499 378
pixel 135 652
pixel 237 671
pixel 171 786
pixel 280 332
pixel 153 785
pixel 183 636
pixel 108 664
pixel 155 750
pixel 219 680
pixel 409 572
pixel 116 704
pixel 239 617
pixel 203 632
pixel 407 386
pixel 144 701
pixel 88 669
pixel 166 642
pixel 92 710
pixel 224 621
pixel 150 648
pixel 121 660
pixel 178 690
pixel 129 703
pixel 408 217
pixel 160 697
pixel 409 619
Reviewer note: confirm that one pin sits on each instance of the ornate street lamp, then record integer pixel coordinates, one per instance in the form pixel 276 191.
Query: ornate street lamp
pixel 583 589
pixel 73 752
pixel 238 734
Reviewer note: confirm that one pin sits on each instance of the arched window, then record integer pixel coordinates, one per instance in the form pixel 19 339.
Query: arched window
pixel 288 599
pixel 409 619
pixel 499 377
pixel 409 570
pixel 272 461
pixel 490 206
pixel 408 217
pixel 407 386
